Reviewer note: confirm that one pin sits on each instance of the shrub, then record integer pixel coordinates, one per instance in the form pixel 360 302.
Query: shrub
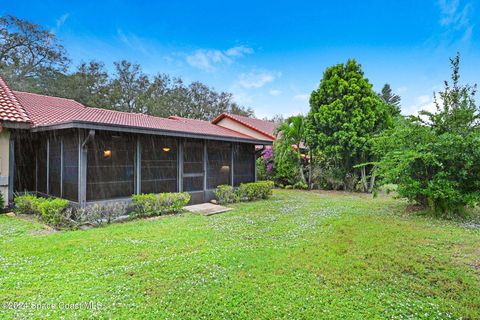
pixel 51 212
pixel 157 204
pixel 100 214
pixel 1 201
pixel 255 190
pixel 300 185
pixel 28 204
pixel 226 194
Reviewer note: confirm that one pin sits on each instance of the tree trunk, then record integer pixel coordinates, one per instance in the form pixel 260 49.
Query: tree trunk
pixel 310 171
pixel 363 172
pixel 372 181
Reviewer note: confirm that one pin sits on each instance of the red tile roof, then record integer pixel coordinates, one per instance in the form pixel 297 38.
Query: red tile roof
pixel 267 128
pixel 10 109
pixel 46 111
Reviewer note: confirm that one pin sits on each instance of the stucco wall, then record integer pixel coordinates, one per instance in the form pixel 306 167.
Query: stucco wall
pixel 233 125
pixel 4 163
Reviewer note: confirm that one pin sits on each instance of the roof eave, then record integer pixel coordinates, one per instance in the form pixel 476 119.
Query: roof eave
pixel 226 115
pixel 142 130
pixel 15 124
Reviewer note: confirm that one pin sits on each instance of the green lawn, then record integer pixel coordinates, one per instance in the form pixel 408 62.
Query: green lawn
pixel 300 255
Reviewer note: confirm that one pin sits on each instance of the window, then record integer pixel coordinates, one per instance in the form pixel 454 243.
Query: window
pixel 70 167
pixel 110 166
pixel 159 164
pixel 243 165
pixel 219 157
pixel 193 165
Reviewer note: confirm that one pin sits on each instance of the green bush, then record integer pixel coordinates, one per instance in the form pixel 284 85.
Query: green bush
pixel 300 185
pixel 255 190
pixel 152 204
pixel 51 211
pixel 28 204
pixel 1 201
pixel 226 194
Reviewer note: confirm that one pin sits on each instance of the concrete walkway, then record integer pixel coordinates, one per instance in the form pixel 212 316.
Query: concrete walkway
pixel 207 208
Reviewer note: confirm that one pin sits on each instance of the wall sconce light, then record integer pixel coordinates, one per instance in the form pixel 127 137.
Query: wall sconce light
pixel 225 169
pixel 166 149
pixel 107 153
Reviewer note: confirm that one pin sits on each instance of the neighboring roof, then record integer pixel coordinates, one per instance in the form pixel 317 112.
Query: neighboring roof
pixel 10 109
pixel 48 112
pixel 267 128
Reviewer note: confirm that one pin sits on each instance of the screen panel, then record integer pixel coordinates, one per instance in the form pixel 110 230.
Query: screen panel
pixel 244 164
pixel 54 167
pixel 219 156
pixel 110 166
pixel 70 167
pixel 42 166
pixel 158 164
pixel 193 171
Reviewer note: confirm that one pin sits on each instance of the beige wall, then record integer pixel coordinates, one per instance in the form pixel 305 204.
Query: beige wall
pixel 4 163
pixel 234 125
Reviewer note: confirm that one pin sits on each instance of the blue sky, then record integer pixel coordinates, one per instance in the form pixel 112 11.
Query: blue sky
pixel 272 54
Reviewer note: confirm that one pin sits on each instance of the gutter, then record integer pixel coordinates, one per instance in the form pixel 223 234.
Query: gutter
pixel 143 130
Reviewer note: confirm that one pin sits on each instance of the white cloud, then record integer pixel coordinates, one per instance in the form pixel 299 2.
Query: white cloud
pixel 60 22
pixel 208 59
pixel 238 51
pixel 457 18
pixel 256 79
pixel 305 97
pixel 423 102
pixel 62 19
pixel 274 92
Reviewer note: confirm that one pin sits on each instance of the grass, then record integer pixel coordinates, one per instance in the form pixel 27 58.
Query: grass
pixel 299 255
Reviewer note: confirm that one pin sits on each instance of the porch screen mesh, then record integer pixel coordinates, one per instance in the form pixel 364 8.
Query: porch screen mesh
pixel 25 164
pixel 219 155
pixel 70 167
pixel 243 164
pixel 42 166
pixel 159 164
pixel 55 168
pixel 110 167
pixel 193 165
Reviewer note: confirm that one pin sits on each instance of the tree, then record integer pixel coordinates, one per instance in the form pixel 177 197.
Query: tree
pixel 435 157
pixel 129 88
pixel 290 139
pixel 344 117
pixel 32 59
pixel 27 52
pixel 391 99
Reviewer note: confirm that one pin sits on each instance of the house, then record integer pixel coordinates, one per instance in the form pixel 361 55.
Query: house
pixel 260 129
pixel 58 147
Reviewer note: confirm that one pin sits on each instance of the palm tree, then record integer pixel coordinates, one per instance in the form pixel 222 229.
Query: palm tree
pixel 291 133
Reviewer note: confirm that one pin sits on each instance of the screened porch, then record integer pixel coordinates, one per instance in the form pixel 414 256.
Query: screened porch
pixel 86 166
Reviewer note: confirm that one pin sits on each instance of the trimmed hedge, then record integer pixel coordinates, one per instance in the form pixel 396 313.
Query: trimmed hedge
pixel 255 190
pixel 49 210
pixel 246 192
pixel 28 204
pixel 152 204
pixel 226 194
